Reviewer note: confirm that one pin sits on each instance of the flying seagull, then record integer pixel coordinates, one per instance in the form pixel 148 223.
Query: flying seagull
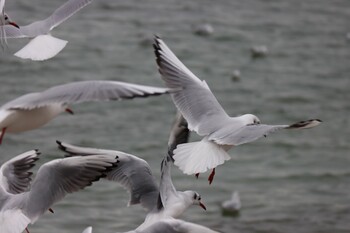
pixel 207 118
pixel 43 46
pixel 34 110
pixel 23 203
pixel 135 175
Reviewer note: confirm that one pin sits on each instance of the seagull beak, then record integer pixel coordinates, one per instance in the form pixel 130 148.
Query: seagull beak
pixel 202 205
pixel 70 111
pixel 14 24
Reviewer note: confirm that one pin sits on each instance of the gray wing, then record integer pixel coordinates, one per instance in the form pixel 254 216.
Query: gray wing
pixel 195 101
pixel 249 133
pixel 2 4
pixel 44 26
pixel 59 177
pixel 179 134
pixel 84 91
pixel 133 173
pixel 14 174
pixel 176 226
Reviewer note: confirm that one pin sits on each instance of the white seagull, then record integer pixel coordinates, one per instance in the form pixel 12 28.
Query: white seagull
pixel 43 46
pixel 207 118
pixel 22 203
pixel 233 205
pixel 34 110
pixel 135 175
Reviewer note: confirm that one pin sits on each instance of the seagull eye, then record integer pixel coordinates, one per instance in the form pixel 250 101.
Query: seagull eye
pixel 6 18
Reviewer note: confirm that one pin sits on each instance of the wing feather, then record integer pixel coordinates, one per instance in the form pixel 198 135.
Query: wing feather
pixel 195 100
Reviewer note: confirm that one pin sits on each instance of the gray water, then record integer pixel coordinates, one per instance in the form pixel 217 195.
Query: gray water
pixel 289 182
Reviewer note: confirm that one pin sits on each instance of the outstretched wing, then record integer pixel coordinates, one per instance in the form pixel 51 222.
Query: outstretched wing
pixel 84 91
pixel 14 174
pixel 59 177
pixel 179 134
pixel 250 133
pixel 195 100
pixel 176 226
pixel 133 173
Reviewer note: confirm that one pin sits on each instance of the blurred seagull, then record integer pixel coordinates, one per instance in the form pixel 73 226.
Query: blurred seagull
pixel 43 46
pixel 21 205
pixel 34 110
pixel 205 116
pixel 233 205
pixel 135 175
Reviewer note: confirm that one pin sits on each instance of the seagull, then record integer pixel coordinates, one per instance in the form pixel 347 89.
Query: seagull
pixel 4 20
pixel 21 205
pixel 233 205
pixel 135 175
pixel 169 226
pixel 207 118
pixel 34 110
pixel 43 46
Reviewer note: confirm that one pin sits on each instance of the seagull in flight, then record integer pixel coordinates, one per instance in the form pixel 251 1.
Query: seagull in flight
pixel 23 201
pixel 134 174
pixel 207 118
pixel 34 110
pixel 43 46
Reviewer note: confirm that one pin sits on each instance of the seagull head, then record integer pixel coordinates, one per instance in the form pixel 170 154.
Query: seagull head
pixel 250 119
pixel 7 21
pixel 195 198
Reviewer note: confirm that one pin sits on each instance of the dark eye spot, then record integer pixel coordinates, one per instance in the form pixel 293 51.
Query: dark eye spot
pixel 195 196
pixel 6 18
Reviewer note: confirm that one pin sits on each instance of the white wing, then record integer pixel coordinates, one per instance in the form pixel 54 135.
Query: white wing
pixel 59 177
pixel 133 173
pixel 195 101
pixel 179 133
pixel 88 230
pixel 84 91
pixel 2 4
pixel 176 226
pixel 249 133
pixel 14 174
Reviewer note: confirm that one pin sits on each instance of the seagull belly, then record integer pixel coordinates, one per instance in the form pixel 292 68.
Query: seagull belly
pixel 25 120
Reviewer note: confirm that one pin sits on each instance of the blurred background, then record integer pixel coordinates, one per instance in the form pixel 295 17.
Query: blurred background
pixel 292 181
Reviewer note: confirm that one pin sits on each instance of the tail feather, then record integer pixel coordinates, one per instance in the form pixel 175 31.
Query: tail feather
pixel 198 157
pixel 13 221
pixel 41 48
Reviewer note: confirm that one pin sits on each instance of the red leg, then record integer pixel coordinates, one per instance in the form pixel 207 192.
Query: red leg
pixel 197 175
pixel 27 230
pixel 2 134
pixel 70 111
pixel 211 176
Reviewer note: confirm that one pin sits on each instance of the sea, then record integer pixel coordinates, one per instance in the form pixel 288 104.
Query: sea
pixel 290 182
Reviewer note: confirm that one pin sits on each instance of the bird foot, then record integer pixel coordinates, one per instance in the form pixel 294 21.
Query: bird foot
pixel 211 176
pixel 197 175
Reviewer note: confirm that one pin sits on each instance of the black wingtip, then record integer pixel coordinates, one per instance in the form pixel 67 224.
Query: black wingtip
pixel 305 124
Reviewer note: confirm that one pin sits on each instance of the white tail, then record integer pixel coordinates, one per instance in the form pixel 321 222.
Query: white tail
pixel 13 221
pixel 41 48
pixel 198 157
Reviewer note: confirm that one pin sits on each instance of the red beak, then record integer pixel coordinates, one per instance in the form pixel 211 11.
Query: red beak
pixel 202 205
pixel 14 24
